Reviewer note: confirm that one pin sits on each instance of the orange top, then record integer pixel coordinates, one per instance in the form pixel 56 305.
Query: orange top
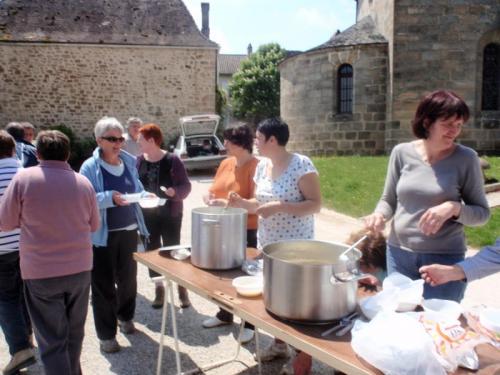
pixel 229 178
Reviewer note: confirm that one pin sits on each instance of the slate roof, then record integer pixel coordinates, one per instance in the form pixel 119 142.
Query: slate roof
pixel 143 22
pixel 362 32
pixel 229 64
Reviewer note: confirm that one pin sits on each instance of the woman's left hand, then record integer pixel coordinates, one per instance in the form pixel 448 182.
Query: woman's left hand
pixel 170 192
pixel 269 209
pixel 433 219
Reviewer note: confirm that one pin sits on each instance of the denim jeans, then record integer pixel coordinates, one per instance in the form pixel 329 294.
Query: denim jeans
pixel 14 318
pixel 408 264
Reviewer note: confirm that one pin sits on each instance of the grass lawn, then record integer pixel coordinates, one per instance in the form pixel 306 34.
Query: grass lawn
pixel 352 185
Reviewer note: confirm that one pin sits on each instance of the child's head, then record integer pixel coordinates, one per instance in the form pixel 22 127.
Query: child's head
pixel 373 251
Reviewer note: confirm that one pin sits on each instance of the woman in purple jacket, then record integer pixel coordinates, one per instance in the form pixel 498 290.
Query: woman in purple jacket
pixel 163 174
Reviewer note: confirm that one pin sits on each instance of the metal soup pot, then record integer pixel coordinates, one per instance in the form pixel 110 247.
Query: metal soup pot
pixel 305 281
pixel 218 237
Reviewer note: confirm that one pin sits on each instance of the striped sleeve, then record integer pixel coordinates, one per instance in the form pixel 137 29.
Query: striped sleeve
pixel 9 241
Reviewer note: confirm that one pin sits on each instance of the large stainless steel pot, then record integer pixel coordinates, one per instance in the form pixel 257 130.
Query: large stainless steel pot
pixel 305 281
pixel 218 237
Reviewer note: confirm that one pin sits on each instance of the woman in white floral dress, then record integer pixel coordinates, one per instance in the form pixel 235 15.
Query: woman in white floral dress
pixel 287 196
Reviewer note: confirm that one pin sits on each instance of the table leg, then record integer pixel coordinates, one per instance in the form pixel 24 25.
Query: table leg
pixel 257 350
pixel 162 335
pixel 174 326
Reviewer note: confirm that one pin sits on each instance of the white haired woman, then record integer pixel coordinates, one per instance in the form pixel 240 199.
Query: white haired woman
pixel 113 173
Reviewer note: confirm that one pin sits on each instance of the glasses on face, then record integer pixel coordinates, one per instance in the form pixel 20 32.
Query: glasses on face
pixel 114 139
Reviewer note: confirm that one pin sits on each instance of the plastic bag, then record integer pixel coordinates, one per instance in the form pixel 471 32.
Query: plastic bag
pixel 409 291
pixel 396 344
pixel 386 300
pixel 474 321
pixel 253 267
pixel 454 344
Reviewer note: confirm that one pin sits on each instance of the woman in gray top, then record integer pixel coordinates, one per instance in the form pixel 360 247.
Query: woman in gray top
pixel 433 188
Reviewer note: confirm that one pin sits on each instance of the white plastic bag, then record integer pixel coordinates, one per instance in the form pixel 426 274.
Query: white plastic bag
pixel 397 345
pixel 385 300
pixel 409 291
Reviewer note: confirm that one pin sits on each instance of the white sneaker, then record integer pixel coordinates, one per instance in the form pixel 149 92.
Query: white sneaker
pixel 246 335
pixel 214 322
pixel 274 351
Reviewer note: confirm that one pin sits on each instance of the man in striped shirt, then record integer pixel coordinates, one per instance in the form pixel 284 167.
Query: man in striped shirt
pixel 14 318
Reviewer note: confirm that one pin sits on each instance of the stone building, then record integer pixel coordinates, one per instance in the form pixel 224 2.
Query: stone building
pixel 357 93
pixel 71 62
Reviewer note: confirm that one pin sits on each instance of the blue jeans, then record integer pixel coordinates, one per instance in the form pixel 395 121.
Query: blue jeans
pixel 408 264
pixel 14 318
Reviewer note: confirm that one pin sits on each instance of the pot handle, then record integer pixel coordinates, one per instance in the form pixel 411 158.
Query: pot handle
pixel 210 222
pixel 344 277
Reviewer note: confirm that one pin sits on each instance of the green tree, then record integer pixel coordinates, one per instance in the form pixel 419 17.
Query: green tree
pixel 255 87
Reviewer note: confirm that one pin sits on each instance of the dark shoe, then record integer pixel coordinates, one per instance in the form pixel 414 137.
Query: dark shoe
pixel 20 360
pixel 159 298
pixel 126 327
pixel 184 297
pixel 110 346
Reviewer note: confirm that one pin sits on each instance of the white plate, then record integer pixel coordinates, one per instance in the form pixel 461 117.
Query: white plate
pixel 149 202
pixel 132 198
pixel 490 319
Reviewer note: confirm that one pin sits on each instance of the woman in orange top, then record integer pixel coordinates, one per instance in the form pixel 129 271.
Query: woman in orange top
pixel 235 175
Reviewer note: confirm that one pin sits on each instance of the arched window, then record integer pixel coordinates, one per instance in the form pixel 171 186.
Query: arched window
pixel 344 89
pixel 491 78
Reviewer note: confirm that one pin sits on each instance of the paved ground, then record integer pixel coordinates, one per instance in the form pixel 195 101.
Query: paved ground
pixel 200 347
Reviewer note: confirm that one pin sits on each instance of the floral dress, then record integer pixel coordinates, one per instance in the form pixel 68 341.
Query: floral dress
pixel 285 188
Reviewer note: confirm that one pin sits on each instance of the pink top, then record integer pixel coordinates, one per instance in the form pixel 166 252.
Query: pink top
pixel 56 210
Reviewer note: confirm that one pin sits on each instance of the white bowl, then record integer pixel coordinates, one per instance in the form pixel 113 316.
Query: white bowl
pixel 490 319
pixel 249 286
pixel 149 202
pixel 443 307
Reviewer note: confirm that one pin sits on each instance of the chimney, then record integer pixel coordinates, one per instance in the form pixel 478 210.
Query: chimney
pixel 249 49
pixel 205 30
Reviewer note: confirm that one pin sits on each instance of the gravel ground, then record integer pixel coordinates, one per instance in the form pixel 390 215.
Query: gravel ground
pixel 198 346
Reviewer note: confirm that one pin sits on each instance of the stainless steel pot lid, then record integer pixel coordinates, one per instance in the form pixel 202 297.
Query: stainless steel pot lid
pixel 213 210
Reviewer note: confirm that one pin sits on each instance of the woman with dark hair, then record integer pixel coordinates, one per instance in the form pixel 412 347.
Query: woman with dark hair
pixel 235 176
pixel 163 174
pixel 287 195
pixel 433 188
pixel 113 174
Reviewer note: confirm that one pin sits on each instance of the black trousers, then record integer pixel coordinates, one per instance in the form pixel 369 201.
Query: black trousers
pixel 163 230
pixel 14 319
pixel 58 309
pixel 224 315
pixel 114 282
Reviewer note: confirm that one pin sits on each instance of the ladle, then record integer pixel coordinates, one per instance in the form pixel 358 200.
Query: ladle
pixel 343 257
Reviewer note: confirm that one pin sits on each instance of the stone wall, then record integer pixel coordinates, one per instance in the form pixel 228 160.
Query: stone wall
pixel 308 101
pixel 75 85
pixel 382 13
pixel 438 44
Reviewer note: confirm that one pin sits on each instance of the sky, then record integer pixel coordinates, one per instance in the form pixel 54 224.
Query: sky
pixel 294 24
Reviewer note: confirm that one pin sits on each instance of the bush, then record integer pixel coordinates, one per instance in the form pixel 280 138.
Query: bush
pixel 81 149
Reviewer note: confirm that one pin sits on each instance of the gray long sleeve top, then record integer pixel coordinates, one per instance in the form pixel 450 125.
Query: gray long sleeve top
pixel 484 263
pixel 413 186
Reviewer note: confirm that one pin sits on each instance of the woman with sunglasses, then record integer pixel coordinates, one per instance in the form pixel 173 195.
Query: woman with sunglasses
pixel 113 173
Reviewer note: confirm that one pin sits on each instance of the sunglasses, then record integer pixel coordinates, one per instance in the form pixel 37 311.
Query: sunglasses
pixel 114 139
